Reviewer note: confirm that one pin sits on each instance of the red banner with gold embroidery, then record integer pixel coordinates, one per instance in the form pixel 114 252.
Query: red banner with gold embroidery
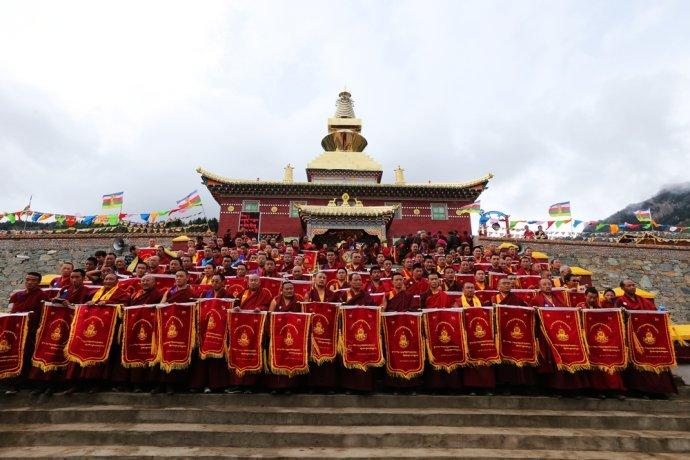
pixel 139 336
pixel 516 341
pixel 651 348
pixel 360 339
pixel 605 337
pixel 13 332
pixel 562 331
pixel 404 344
pixel 212 327
pixel 481 339
pixel 310 261
pixel 445 338
pixel 176 332
pixel 289 343
pixel 51 338
pixel 91 334
pixel 235 286
pixel 246 332
pixel 324 330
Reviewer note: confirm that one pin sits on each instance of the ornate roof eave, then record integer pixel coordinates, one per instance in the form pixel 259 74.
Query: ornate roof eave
pixel 220 185
pixel 350 211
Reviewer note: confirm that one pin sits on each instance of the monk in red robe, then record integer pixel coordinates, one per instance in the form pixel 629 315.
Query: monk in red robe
pixel 73 293
pixel 480 280
pixel 601 381
pixel 30 299
pixel 340 282
pixel 256 298
pixel 324 375
pixel 180 292
pixel 146 294
pixel 356 379
pixel 449 282
pixel 109 293
pixel 609 300
pixel 479 377
pixel 64 280
pixel 399 300
pixel 434 379
pixel 555 379
pixel 509 374
pixel 284 302
pixel 418 284
pixel 645 382
pixel 375 286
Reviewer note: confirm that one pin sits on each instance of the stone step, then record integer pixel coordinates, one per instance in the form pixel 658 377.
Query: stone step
pixel 144 400
pixel 213 453
pixel 260 436
pixel 364 416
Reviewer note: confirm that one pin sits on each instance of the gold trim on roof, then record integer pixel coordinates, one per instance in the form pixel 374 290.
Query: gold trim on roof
pixel 231 181
pixel 356 161
pixel 358 210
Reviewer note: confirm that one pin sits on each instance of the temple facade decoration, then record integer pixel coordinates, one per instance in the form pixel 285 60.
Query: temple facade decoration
pixel 343 194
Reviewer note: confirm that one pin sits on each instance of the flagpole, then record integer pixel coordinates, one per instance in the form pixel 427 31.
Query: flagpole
pixel 27 212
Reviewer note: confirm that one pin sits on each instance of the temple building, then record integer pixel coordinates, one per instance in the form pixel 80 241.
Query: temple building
pixel 342 196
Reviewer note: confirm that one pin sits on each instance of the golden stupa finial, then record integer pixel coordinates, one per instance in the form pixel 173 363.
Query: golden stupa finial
pixel 399 175
pixel 288 176
pixel 344 107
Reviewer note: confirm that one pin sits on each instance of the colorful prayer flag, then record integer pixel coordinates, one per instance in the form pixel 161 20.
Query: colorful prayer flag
pixel 560 209
pixel 643 215
pixel 113 200
pixel 472 208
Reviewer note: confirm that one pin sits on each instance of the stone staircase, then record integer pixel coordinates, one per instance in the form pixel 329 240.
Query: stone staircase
pixel 116 425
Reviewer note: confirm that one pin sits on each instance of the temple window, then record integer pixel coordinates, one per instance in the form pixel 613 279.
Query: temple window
pixel 439 211
pixel 293 209
pixel 250 206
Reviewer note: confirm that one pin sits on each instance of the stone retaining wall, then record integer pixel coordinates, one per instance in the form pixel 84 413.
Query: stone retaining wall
pixel 664 270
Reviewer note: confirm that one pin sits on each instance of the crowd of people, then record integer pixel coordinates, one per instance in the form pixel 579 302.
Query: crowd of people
pixel 418 272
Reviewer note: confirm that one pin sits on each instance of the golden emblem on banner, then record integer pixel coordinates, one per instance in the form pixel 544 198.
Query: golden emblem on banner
pixel 479 331
pixel 172 331
pixel 318 328
pixel 601 337
pixel 4 346
pixel 56 334
pixel 142 335
pixel 649 338
pixel 516 333
pixel 360 336
pixel 288 339
pixel 243 340
pixel 211 323
pixel 403 343
pixel 90 330
pixel 444 337
pixel 562 336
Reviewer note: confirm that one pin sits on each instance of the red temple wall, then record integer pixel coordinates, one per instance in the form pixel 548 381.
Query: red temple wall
pixel 275 215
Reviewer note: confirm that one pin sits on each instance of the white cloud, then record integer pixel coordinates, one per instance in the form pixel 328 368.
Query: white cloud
pixel 561 100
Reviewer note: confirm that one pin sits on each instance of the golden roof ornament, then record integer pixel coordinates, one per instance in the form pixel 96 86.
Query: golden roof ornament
pixel 288 176
pixel 344 106
pixel 399 175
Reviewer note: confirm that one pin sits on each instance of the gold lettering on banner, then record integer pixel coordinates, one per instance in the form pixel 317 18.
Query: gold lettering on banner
pixel 649 338
pixel 601 337
pixel 403 343
pixel 360 336
pixel 289 340
pixel 211 323
pixel 90 330
pixel 142 335
pixel 318 328
pixel 516 333
pixel 56 335
pixel 172 331
pixel 444 337
pixel 243 340
pixel 562 336
pixel 4 346
pixel 479 331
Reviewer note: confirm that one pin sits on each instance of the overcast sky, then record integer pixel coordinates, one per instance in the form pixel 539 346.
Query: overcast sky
pixel 580 101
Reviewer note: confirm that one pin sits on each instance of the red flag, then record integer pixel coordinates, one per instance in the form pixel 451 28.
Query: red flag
pixel 213 325
pixel 561 329
pixel 177 335
pixel 481 340
pixel 289 340
pixel 516 341
pixel 13 332
pixel 272 284
pixel 246 331
pixel 650 346
pixel 235 285
pixel 91 334
pixel 445 338
pixel 139 336
pixel 361 338
pixel 324 330
pixel 404 344
pixel 605 337
pixel 51 339
pixel 310 261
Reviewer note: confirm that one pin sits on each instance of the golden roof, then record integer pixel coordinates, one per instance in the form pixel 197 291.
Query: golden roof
pixel 230 181
pixel 356 161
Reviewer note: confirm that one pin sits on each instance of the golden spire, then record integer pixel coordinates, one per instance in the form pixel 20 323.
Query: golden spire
pixel 399 175
pixel 288 178
pixel 344 106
